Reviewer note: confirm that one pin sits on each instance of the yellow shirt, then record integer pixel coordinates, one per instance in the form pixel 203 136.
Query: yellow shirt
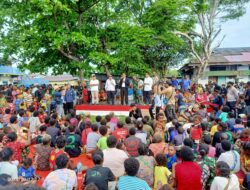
pixel 161 174
pixel 214 129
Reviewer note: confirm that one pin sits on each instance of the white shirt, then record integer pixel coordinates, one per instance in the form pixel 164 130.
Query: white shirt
pixel 60 179
pixel 229 158
pixel 123 83
pixel 220 183
pixel 94 85
pixel 114 160
pixel 148 83
pixel 9 169
pixel 110 85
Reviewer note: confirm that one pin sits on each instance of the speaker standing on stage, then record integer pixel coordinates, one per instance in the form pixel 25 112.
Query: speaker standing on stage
pixel 110 89
pixel 124 84
pixel 94 87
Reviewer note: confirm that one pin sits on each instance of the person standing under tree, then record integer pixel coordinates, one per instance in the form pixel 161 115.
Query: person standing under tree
pixel 124 84
pixel 136 89
pixel 148 83
pixel 110 89
pixel 69 98
pixel 94 87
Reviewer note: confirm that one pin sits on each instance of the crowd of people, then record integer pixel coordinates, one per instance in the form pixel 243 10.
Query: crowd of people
pixel 194 138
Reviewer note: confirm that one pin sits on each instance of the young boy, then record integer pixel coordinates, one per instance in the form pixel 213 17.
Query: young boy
pixel 26 171
pixel 196 130
pixel 120 132
pixel 42 132
pixel 74 143
pixel 99 175
pixel 102 142
pixel 60 144
pixel 171 156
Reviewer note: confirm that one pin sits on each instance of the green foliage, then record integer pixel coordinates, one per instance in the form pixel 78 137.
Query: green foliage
pixel 131 36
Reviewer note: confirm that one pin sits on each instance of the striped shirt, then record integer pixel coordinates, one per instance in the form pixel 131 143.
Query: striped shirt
pixel 132 183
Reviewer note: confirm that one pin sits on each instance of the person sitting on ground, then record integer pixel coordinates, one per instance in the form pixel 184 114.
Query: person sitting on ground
pixel 120 132
pixel 147 128
pixel 59 149
pixel 147 163
pixel 61 178
pixel 231 157
pixel 74 143
pixel 223 179
pixel 104 173
pixel 43 153
pixel 42 132
pixel 187 173
pixel 140 133
pixel 128 123
pixel 27 171
pixel 135 112
pixel 102 142
pixel 161 172
pixel 92 139
pixel 86 131
pixel 53 131
pixel 132 143
pixel 113 157
pixel 171 156
pixel 158 146
pixel 130 181
pixel 6 167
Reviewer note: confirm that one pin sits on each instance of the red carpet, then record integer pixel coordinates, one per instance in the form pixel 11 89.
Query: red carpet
pixel 82 158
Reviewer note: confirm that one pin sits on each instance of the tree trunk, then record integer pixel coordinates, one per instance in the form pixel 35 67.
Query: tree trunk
pixel 81 76
pixel 107 69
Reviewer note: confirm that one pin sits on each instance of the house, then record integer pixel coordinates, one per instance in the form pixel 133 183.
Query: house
pixel 9 75
pixel 225 64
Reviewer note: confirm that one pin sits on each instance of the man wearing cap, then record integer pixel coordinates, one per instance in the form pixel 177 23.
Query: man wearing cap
pixel 94 88
pixel 110 89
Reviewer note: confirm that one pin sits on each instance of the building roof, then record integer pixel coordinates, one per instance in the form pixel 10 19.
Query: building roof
pixel 60 78
pixel 225 56
pixel 9 70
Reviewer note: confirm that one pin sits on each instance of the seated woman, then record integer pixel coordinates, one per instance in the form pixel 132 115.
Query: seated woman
pixel 158 146
pixel 43 151
pixel 223 179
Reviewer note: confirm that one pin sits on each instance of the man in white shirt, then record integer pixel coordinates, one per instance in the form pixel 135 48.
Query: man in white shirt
pixel 114 158
pixel 148 83
pixel 110 89
pixel 94 88
pixel 231 157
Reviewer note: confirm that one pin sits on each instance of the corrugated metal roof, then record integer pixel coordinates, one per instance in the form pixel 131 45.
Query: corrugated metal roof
pixel 59 78
pixel 9 70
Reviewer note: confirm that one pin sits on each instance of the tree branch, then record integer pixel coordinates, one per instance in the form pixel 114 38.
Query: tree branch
pixel 69 55
pixel 191 45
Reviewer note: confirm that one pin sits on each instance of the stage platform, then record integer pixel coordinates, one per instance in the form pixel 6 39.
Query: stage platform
pixel 103 110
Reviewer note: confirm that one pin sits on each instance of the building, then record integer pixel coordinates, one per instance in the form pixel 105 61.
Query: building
pixel 226 64
pixel 62 80
pixel 9 75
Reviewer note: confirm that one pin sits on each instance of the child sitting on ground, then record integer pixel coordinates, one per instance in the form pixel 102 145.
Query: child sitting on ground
pixel 42 132
pixel 102 142
pixel 161 172
pixel 27 171
pixel 171 156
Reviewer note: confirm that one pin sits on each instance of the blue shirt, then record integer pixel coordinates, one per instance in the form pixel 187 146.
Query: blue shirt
pixel 26 173
pixel 175 83
pixel 69 96
pixel 171 160
pixel 17 104
pixel 186 84
pixel 132 183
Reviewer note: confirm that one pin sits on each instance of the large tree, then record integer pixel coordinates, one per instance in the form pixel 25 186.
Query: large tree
pixel 71 36
pixel 210 14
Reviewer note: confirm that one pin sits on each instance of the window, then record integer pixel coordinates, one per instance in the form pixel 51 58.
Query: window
pixel 232 68
pixel 217 68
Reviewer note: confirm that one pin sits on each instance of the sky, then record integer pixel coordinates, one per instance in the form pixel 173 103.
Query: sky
pixel 237 31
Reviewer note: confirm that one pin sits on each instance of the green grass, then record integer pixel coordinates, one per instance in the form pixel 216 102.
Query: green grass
pixel 121 118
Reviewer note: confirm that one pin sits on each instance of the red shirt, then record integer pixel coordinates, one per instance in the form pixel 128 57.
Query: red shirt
pixel 188 176
pixel 196 132
pixel 120 133
pixel 53 156
pixel 85 133
pixel 17 148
